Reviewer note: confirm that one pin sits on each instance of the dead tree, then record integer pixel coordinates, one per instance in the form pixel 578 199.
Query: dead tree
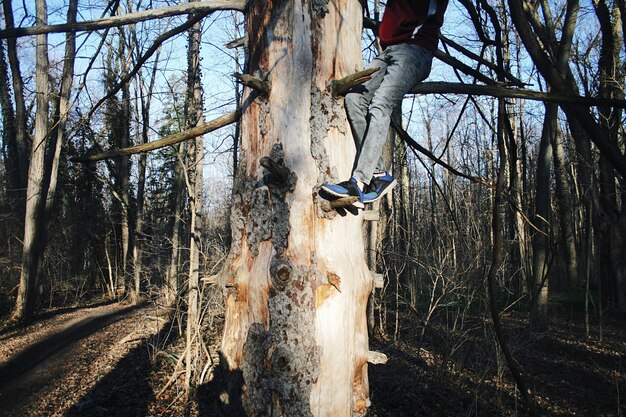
pixel 296 281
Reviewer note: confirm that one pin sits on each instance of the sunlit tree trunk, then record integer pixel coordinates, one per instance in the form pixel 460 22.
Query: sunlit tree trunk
pixel 172 277
pixel 145 90
pixel 296 281
pixel 60 110
pixel 584 191
pixel 139 238
pixel 35 191
pixel 193 115
pixel 125 167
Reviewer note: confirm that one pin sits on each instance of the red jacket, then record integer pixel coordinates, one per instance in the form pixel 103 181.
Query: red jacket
pixel 412 21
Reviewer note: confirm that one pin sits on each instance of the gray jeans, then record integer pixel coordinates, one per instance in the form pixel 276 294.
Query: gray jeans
pixel 369 105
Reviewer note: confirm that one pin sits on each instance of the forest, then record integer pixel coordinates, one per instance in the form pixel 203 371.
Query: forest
pixel 165 249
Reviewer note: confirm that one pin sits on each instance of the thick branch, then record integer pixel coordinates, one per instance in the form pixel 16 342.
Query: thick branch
pixel 128 18
pixel 166 141
pixel 480 60
pixel 370 24
pixel 510 92
pixel 262 86
pixel 520 14
pixel 341 86
pixel 466 69
pixel 237 43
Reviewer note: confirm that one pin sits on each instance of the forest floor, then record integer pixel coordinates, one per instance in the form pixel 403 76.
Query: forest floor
pixel 88 361
pixel 115 360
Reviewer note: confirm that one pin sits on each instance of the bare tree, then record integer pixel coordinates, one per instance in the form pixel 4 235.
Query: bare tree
pixel 296 281
pixel 35 192
pixel 193 115
pixel 21 141
pixel 145 90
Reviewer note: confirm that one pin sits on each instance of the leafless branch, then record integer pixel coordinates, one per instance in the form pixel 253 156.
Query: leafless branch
pixel 166 141
pixel 128 18
pixel 499 91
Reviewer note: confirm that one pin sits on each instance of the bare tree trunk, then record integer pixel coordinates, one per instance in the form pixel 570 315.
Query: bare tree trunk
pixel 238 64
pixel 613 276
pixel 18 96
pixel 496 261
pixel 112 284
pixel 139 238
pixel 518 187
pixel 10 153
pixel 584 190
pixel 539 285
pixel 194 117
pixel 172 278
pixel 552 62
pixel 61 108
pixel 145 101
pixel 565 211
pixel 35 192
pixel 123 180
pixel 296 281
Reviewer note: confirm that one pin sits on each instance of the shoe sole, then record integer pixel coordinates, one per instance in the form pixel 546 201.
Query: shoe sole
pixel 390 187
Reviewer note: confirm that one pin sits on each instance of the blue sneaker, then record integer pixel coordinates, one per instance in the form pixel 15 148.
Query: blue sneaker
pixel 344 189
pixel 378 187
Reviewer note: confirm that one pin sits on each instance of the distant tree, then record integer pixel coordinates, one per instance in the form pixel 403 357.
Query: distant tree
pixel 20 143
pixel 36 189
pixel 194 175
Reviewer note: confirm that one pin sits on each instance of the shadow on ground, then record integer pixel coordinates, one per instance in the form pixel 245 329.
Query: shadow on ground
pixel 41 351
pixel 7 329
pixel 222 396
pixel 125 390
pixel 568 374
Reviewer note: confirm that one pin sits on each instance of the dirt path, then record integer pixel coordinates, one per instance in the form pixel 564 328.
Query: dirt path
pixel 51 368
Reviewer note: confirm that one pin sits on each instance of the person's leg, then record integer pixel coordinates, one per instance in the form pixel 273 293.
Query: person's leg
pixel 408 65
pixel 358 100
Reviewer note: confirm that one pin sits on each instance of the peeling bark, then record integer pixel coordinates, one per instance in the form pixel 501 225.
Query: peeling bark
pixel 296 282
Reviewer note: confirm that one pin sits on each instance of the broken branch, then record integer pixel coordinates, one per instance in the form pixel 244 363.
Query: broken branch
pixel 166 141
pixel 261 86
pixel 237 43
pixel 341 86
pixel 376 358
pixel 279 173
pixel 338 203
pixel 500 91
pixel 128 18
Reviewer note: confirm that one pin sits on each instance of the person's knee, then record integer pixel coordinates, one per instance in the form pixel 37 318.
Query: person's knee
pixel 382 108
pixel 353 102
